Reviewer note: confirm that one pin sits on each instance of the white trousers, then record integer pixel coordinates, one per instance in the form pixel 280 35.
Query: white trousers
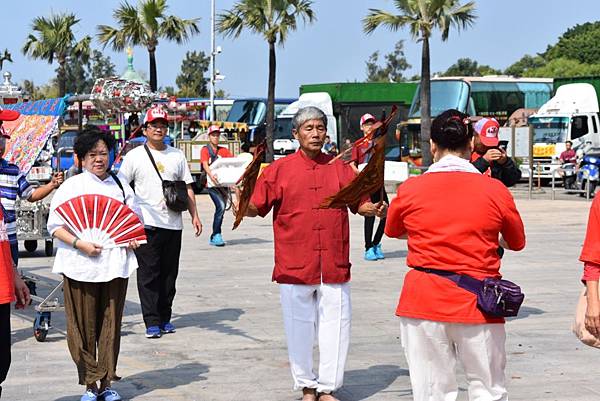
pixel 321 311
pixel 432 350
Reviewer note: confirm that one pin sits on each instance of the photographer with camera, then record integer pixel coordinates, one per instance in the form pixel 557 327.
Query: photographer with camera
pixel 489 156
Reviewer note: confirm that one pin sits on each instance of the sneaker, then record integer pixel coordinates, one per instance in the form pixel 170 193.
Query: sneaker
pixel 153 332
pixel 110 395
pixel 370 254
pixel 89 395
pixel 378 252
pixel 217 240
pixel 166 328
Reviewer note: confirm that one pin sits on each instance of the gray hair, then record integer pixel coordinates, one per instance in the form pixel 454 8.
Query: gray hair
pixel 308 113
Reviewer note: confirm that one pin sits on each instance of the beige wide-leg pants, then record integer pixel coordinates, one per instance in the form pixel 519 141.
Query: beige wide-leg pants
pixel 433 349
pixel 321 311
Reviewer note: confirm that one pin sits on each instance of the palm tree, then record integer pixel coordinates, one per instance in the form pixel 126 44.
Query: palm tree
pixel 422 17
pixel 53 39
pixel 144 26
pixel 272 19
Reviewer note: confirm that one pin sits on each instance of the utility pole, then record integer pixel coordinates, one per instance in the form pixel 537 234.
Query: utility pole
pixel 212 60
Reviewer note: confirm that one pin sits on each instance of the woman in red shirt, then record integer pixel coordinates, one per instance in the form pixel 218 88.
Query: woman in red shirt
pixel 11 287
pixel 454 218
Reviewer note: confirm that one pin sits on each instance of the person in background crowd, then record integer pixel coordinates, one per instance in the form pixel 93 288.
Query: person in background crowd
pixel 333 150
pixel 312 263
pixel 568 155
pixel 490 159
pixel 159 258
pixel 454 218
pixel 13 184
pixel 373 249
pixel 218 194
pixel 95 279
pixel 12 288
pixel 327 144
pixel 347 154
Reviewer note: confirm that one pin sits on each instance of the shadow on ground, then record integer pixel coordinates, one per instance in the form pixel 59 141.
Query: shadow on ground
pixel 526 311
pixel 363 383
pixel 247 241
pixel 161 379
pixel 214 321
pixel 396 254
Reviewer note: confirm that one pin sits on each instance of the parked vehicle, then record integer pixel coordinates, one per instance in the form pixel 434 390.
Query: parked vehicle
pixel 571 115
pixel 589 173
pixel 569 175
pixel 489 96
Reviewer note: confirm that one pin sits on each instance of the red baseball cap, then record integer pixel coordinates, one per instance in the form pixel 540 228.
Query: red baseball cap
pixel 214 128
pixel 155 113
pixel 487 129
pixel 8 115
pixel 367 117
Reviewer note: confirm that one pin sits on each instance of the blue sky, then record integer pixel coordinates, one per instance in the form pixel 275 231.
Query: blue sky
pixel 333 49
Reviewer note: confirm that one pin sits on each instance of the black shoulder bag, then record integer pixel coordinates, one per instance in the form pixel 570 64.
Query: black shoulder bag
pixel 114 177
pixel 175 192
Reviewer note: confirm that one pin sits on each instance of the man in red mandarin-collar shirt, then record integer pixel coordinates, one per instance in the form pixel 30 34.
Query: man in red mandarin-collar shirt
pixel 311 254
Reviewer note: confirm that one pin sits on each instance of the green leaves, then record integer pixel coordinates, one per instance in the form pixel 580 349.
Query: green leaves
pixel 273 19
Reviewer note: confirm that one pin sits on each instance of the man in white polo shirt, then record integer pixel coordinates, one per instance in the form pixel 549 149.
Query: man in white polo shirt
pixel 159 259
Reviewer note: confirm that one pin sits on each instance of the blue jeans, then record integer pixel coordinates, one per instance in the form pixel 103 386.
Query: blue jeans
pixel 217 197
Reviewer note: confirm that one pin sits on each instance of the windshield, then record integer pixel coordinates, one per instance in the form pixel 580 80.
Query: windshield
pixel 283 129
pixel 444 95
pixel 67 139
pixel 549 129
pixel 251 112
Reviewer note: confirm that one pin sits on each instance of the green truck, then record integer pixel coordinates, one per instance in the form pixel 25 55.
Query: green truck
pixel 351 100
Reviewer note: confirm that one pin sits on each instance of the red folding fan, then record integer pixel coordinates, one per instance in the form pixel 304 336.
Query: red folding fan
pixel 102 220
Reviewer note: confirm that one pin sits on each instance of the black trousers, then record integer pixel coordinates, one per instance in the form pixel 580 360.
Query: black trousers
pixel 370 240
pixel 4 342
pixel 157 272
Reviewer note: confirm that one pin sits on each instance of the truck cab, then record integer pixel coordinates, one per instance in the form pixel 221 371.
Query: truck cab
pixel 571 115
pixel 283 140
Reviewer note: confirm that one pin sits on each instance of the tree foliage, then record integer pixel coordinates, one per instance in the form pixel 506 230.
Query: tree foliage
pixel 53 39
pixel 393 70
pixel 273 20
pixel 422 17
pixel 192 81
pixel 466 67
pixel 580 43
pixel 80 75
pixel 145 25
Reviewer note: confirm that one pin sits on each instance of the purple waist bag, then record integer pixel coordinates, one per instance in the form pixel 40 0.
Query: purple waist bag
pixel 495 297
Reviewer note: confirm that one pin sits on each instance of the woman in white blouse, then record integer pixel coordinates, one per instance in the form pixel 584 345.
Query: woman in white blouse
pixel 95 279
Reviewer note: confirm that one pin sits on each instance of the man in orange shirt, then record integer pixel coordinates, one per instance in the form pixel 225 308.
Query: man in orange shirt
pixel 211 152
pixel 11 287
pixel 312 263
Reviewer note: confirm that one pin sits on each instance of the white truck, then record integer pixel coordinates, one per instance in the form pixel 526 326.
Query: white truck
pixel 283 140
pixel 571 115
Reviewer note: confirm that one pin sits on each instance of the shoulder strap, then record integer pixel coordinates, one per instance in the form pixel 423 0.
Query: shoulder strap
pixel 153 162
pixel 211 152
pixel 465 282
pixel 114 176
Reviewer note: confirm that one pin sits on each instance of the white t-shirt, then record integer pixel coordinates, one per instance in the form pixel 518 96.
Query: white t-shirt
pixel 137 168
pixel 112 262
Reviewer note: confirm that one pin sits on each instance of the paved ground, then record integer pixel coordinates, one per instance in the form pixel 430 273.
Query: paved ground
pixel 230 346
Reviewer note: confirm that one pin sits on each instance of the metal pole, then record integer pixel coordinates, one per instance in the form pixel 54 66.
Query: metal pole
pixel 80 116
pixel 212 60
pixel 530 161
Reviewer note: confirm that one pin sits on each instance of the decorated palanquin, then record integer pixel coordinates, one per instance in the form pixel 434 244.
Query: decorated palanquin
pixel 30 132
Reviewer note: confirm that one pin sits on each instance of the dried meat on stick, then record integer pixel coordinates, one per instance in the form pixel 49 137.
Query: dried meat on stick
pixel 370 179
pixel 247 182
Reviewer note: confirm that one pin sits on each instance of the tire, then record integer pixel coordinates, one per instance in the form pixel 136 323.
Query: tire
pixel 41 324
pixel 49 248
pixel 40 334
pixel 31 245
